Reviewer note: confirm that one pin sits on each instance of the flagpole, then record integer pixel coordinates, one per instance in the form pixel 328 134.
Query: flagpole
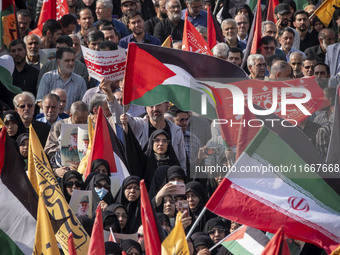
pixel 224 238
pixel 196 222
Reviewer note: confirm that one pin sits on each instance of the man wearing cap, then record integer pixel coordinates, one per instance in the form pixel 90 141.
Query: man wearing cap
pixel 83 206
pixel 71 152
pixel 86 141
pixel 127 6
pixel 282 16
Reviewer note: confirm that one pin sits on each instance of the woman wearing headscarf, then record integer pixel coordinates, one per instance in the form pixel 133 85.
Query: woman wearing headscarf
pixel 129 196
pixel 202 241
pixel 71 180
pixel 217 229
pixel 101 166
pixel 22 142
pixel 131 247
pixel 120 211
pixel 101 191
pixel 13 123
pixel 110 221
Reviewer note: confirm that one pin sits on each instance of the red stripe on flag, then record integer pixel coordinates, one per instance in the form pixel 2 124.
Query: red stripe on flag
pixel 71 247
pixel 97 246
pixel 257 30
pixel 211 33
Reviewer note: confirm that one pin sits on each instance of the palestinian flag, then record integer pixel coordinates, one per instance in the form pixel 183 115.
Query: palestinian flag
pixel 18 201
pixel 8 23
pixel 6 69
pixel 157 74
pixel 277 245
pixel 276 182
pixel 246 241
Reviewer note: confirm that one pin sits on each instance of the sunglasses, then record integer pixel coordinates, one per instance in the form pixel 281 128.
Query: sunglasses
pixel 76 183
pixel 23 106
pixel 99 186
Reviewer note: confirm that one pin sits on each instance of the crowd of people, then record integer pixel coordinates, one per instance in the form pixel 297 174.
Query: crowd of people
pixel 167 140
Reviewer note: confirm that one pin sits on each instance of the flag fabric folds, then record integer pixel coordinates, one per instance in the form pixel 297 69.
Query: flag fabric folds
pixel 45 242
pixel 326 10
pixel 31 165
pixel 267 198
pixel 175 242
pixel 83 163
pixel 168 42
pixel 71 248
pixel 257 29
pixel 18 200
pixel 270 12
pixel 211 32
pixel 97 246
pixel 8 24
pixel 278 244
pixel 55 202
pixel 246 240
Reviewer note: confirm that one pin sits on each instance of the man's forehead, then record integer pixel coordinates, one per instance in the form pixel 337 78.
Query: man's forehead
pixel 25 98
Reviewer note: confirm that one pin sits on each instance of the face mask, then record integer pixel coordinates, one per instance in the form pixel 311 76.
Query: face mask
pixel 101 192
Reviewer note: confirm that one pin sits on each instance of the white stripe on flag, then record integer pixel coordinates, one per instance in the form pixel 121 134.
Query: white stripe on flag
pixel 250 244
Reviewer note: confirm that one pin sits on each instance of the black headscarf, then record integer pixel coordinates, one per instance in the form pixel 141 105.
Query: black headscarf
pixel 67 176
pixel 108 198
pixel 159 180
pixel 87 223
pixel 163 218
pixel 176 171
pixel 132 208
pixel 201 238
pixel 112 208
pixel 152 163
pixel 98 162
pixel 14 116
pixel 110 220
pixel 112 248
pixel 250 14
pixel 215 222
pixel 128 244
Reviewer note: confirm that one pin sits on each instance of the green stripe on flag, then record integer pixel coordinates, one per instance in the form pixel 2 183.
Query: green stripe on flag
pixel 8 246
pixel 7 80
pixel 235 248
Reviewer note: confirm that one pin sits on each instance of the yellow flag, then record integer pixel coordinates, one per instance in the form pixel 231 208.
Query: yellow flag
pixel 45 242
pixel 31 167
pixel 326 10
pixel 336 251
pixel 2 124
pixel 55 201
pixel 168 42
pixel 83 162
pixel 175 242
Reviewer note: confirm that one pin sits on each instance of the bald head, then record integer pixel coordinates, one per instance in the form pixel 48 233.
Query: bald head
pixel 280 70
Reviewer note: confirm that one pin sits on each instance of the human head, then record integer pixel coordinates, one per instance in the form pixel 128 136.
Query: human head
pixel 295 61
pixel 63 98
pixel 131 188
pixel 24 21
pixel 24 104
pixel 321 73
pixel 104 9
pixel 326 37
pixel 68 24
pixel 23 142
pixel 267 46
pixel 268 29
pixel 280 71
pixel 243 24
pixel 76 45
pixel 17 50
pixel 85 19
pixel 308 66
pixel 216 229
pixel 33 44
pixel 286 38
pixel 256 66
pixel 131 247
pixel 282 13
pixel 110 34
pixel 194 7
pixel 229 29
pixel 51 30
pixel 317 24
pixel 173 10
pixel 195 195
pixel 292 6
pixel 94 39
pixel 202 242
pixel 135 23
pixel 160 141
pixel 13 123
pixel 203 32
pixel 156 112
pixel 64 41
pixel 301 21
pixel 79 112
pixel 160 8
pixel 71 181
pixel 128 6
pixel 121 213
pixel 235 56
pixel 141 237
pixel 50 107
pixel 100 166
pixel 181 118
pixel 65 60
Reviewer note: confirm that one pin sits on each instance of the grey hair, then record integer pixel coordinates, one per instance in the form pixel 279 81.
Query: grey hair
pixel 323 32
pixel 296 53
pixel 278 66
pixel 168 2
pixel 251 59
pixel 25 38
pixel 107 3
pixel 264 24
pixel 220 50
pixel 56 90
pixel 51 96
pixel 23 94
pixel 96 101
pixel 227 21
pixel 201 29
pixel 79 106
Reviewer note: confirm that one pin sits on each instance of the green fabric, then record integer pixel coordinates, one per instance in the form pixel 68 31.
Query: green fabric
pixel 8 247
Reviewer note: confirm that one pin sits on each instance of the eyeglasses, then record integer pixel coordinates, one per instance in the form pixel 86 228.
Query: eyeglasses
pixel 157 140
pixel 76 183
pixel 268 48
pixel 23 106
pixel 99 186
pixel 183 119
pixel 175 7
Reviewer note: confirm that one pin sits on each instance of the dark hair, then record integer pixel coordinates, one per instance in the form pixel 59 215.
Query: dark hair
pixel 323 64
pixel 65 39
pixel 52 96
pixel 95 35
pixel 286 29
pixel 266 40
pixel 108 28
pixel 24 12
pixel 104 23
pixel 273 59
pixel 60 52
pixel 173 110
pixel 290 3
pixel 67 19
pixel 51 25
pixel 133 14
pixel 82 9
pixel 16 42
pixel 108 44
pixel 299 12
pixel 235 50
pixel 310 58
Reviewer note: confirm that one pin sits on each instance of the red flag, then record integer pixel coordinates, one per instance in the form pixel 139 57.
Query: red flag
pixel 97 246
pixel 257 29
pixel 277 245
pixel 211 32
pixel 151 237
pixel 71 247
pixel 192 40
pixel 270 12
pixel 107 146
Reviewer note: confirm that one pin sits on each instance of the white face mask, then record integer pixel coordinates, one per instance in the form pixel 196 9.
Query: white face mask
pixel 101 192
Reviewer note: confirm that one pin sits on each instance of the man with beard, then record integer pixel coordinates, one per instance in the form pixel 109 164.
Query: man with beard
pixel 173 25
pixel 70 152
pixel 72 7
pixel 282 15
pixel 63 77
pixel 301 23
pixel 326 37
pixel 321 73
pixel 24 21
pixel 127 6
pixel 136 25
pixel 295 61
pixel 50 107
pixel 196 15
pixel 229 31
pixel 149 25
pixel 33 45
pixel 308 66
pixel 24 75
pixel 286 39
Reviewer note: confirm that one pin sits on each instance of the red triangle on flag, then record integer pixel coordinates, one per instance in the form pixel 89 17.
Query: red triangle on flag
pixel 257 29
pixel 138 80
pixel 97 246
pixel 211 32
pixel 277 245
pixel 270 12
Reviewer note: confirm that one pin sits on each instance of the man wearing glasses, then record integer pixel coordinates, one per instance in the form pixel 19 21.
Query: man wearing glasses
pixel 24 106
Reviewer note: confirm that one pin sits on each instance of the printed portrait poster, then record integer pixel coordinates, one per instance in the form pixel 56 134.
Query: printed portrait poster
pixel 105 64
pixel 69 144
pixel 47 55
pixel 83 142
pixel 81 202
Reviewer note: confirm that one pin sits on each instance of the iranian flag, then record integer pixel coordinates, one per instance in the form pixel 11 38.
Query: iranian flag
pixel 156 74
pixel 276 182
pixel 18 202
pixel 8 24
pixel 246 241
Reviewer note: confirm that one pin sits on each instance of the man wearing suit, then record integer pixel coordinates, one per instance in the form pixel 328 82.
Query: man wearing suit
pixel 332 58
